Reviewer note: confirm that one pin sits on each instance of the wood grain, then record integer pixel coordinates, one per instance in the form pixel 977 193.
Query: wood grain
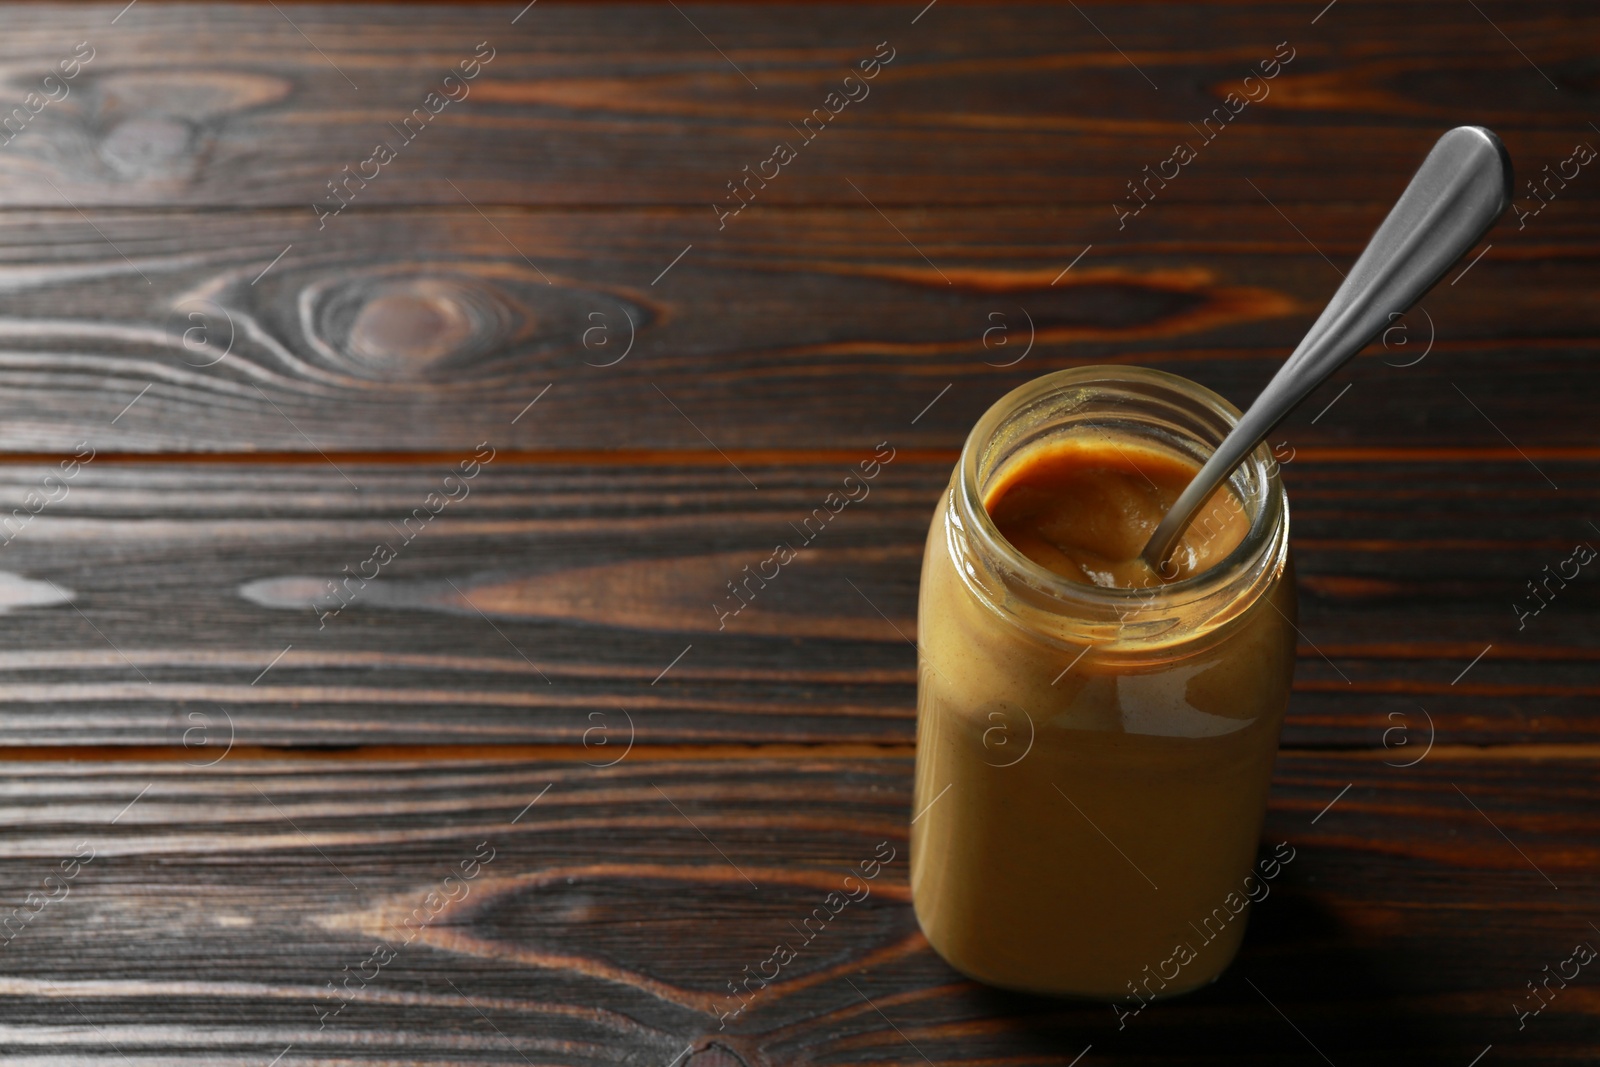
pixel 554 600
pixel 805 329
pixel 560 950
pixel 631 104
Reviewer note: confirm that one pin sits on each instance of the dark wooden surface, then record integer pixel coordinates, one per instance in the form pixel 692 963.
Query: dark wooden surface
pixel 266 795
pixel 1402 908
pixel 592 577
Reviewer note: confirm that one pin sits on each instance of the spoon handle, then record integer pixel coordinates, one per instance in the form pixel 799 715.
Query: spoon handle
pixel 1456 195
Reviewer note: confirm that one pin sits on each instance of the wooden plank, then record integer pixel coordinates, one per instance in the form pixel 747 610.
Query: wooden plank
pixel 638 104
pixel 434 331
pixel 553 599
pixel 609 911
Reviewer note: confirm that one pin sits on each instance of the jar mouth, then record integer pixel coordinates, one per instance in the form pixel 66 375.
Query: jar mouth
pixel 1173 414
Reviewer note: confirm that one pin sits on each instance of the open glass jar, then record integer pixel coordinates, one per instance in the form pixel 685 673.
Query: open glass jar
pixel 1093 763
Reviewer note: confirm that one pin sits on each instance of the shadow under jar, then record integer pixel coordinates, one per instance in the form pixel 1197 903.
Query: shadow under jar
pixel 1093 760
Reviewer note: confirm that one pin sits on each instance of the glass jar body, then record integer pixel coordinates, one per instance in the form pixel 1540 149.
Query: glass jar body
pixel 1092 768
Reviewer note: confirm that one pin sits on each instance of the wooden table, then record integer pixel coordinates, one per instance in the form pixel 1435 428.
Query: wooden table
pixel 505 790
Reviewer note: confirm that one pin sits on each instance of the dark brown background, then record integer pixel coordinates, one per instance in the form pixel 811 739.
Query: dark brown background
pixel 509 646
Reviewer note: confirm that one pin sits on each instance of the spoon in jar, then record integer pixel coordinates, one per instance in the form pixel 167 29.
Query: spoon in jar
pixel 1456 195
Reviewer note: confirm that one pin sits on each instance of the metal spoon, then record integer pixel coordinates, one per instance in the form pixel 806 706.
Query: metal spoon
pixel 1456 195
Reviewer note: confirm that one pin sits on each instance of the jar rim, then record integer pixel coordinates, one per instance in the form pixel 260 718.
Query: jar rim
pixel 1267 510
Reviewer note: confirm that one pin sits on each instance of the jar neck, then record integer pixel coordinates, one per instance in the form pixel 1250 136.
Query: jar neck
pixel 1164 412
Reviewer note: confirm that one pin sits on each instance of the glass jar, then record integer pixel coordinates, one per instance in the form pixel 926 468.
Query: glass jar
pixel 1093 763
